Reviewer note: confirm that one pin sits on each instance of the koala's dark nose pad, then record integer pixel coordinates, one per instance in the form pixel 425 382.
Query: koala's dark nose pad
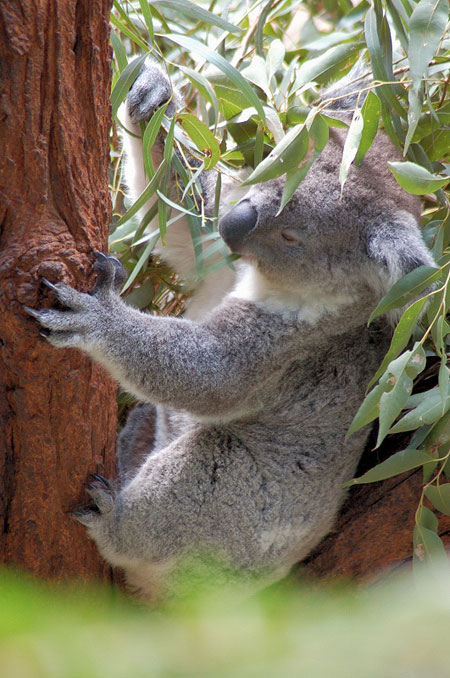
pixel 237 224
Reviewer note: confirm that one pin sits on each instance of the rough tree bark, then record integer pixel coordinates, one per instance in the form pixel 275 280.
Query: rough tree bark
pixel 57 410
pixel 373 535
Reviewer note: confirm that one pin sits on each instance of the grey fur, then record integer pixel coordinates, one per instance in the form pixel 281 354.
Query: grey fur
pixel 245 454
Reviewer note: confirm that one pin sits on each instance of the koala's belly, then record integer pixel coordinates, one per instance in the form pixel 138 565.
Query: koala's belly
pixel 253 509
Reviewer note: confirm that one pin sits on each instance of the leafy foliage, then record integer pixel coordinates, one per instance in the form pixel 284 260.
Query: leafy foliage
pixel 251 74
pixel 80 632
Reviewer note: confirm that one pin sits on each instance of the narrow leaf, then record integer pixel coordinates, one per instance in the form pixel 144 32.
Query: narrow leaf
pixel 123 84
pixel 431 409
pixel 192 10
pixel 371 114
pixel 286 156
pixel 427 25
pixel 416 179
pixel 202 137
pixel 213 57
pixel 398 463
pixel 401 335
pixel 351 146
pixel 439 495
pixel 406 289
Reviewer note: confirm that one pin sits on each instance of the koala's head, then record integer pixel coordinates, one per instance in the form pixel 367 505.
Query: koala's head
pixel 321 243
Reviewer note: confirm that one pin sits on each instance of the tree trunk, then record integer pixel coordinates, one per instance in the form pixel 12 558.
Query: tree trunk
pixel 57 409
pixel 373 535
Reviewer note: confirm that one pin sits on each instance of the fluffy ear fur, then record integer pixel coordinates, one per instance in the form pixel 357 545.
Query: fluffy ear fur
pixel 396 243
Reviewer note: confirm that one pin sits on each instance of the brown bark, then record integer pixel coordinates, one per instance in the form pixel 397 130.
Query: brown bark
pixel 373 535
pixel 57 410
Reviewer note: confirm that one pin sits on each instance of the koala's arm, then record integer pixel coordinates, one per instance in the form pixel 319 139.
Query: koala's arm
pixel 205 368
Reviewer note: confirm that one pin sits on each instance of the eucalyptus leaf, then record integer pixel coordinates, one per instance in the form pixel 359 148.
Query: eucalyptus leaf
pixel 426 27
pixel 193 10
pixel 123 84
pixel 428 411
pixel 286 156
pixel 371 114
pixel 214 58
pixel 351 145
pixel 416 179
pixel 202 137
pixel 401 373
pixel 406 460
pixel 401 336
pixel 439 495
pixel 407 288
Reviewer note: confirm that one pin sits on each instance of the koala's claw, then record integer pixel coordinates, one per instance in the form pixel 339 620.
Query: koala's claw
pixel 102 493
pixel 110 273
pixel 32 312
pixel 50 285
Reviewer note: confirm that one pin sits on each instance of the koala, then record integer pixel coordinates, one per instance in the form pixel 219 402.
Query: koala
pixel 238 448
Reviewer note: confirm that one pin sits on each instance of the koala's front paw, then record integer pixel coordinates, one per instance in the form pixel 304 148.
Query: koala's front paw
pixel 79 325
pixel 150 90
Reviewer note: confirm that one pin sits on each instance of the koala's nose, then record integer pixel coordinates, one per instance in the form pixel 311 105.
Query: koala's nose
pixel 237 224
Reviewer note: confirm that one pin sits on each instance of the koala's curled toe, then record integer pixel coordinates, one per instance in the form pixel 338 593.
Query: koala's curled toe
pixel 110 273
pixel 102 493
pixel 150 90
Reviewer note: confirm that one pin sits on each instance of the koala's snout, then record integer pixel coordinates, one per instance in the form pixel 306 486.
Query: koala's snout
pixel 237 224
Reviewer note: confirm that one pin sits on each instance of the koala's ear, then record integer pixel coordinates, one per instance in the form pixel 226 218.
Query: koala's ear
pixel 396 246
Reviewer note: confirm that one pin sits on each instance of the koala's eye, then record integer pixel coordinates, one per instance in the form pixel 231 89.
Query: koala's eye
pixel 290 236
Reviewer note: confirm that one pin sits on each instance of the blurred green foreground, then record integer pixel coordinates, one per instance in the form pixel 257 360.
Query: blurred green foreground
pixel 397 629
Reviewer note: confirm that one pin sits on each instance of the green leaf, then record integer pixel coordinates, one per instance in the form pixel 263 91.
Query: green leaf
pixel 415 100
pixel 326 65
pixel 145 195
pixel 149 137
pixel 427 25
pixel 123 84
pixel 256 72
pixel 146 13
pixel 401 335
pixel 142 262
pixel 131 33
pixel 318 132
pixel 371 114
pixel 431 409
pixel 202 137
pixel 286 156
pixel 406 289
pixel 416 179
pixel 213 57
pixel 401 372
pixel 193 11
pixel 428 547
pixel 426 518
pixel 400 462
pixel 439 495
pixel 203 87
pixel 378 40
pixel 275 57
pixel 351 146
pixel 119 51
pixel 369 408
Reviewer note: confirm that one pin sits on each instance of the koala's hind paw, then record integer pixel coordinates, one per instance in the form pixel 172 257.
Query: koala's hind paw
pixel 110 273
pixel 150 90
pixel 103 494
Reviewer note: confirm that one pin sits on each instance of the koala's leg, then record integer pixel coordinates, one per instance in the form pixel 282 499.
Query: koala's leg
pixel 136 440
pixel 152 89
